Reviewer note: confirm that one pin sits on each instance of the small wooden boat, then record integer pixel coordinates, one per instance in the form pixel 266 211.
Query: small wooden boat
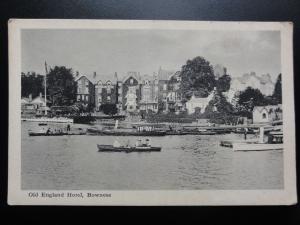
pixel 49 120
pixel 111 148
pixel 45 134
pixel 43 124
pixel 54 134
pixel 176 132
pixel 198 132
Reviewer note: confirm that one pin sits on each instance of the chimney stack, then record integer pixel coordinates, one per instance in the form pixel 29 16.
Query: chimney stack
pixel 77 73
pixel 41 95
pixel 30 97
pixel 94 75
pixel 225 71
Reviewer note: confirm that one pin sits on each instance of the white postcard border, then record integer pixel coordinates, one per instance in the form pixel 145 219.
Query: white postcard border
pixel 16 196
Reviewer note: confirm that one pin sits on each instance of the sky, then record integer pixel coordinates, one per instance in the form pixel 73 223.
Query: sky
pixel 144 51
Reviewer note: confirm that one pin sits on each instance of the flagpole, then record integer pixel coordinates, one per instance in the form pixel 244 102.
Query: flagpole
pixel 46 88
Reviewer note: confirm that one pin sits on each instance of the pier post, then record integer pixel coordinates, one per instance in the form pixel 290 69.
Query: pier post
pixel 261 134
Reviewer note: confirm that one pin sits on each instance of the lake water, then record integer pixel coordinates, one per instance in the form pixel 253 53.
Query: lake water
pixel 185 162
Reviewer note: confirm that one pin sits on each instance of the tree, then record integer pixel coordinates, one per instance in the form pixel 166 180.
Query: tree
pixel 197 77
pixel 31 83
pixel 277 95
pixel 61 86
pixel 109 109
pixel 223 83
pixel 249 98
pixel 219 104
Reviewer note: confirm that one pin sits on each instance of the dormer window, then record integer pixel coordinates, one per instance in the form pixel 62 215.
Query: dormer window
pixel 131 81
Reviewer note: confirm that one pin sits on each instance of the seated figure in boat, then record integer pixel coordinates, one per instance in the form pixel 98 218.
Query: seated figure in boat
pixel 48 131
pixel 148 143
pixel 138 143
pixel 116 144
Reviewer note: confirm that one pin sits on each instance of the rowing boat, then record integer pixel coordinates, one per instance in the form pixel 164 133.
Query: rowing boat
pixel 111 148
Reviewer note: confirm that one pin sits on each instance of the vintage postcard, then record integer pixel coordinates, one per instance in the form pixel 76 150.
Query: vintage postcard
pixel 129 112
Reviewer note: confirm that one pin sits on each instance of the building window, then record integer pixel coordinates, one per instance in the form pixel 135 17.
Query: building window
pixel 87 83
pixel 165 87
pixel 99 90
pixel 78 97
pixel 108 90
pixel 87 98
pixel 131 81
pixel 164 96
pixel 108 98
pixel 264 116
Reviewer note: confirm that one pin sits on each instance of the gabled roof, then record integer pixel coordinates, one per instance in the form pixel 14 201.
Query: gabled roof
pixel 165 74
pixel 38 100
pixel 102 78
pixel 133 75
pixel 267 108
pixel 24 100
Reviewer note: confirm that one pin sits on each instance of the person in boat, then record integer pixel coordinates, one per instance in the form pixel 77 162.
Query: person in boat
pixel 128 144
pixel 148 143
pixel 116 144
pixel 48 131
pixel 68 127
pixel 245 133
pixel 138 143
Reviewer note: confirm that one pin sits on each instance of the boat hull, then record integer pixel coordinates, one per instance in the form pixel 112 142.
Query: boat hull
pixel 124 133
pixel 54 134
pixel 110 148
pixel 256 147
pixel 49 120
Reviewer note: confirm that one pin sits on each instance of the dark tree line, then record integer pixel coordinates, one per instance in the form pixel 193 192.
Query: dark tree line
pixel 31 83
pixel 61 87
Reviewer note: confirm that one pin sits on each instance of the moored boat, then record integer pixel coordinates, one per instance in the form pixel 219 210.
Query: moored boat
pixel 95 131
pixel 55 133
pixel 49 120
pixel 176 132
pixel 111 148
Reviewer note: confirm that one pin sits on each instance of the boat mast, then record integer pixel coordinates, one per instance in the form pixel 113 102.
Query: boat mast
pixel 45 80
